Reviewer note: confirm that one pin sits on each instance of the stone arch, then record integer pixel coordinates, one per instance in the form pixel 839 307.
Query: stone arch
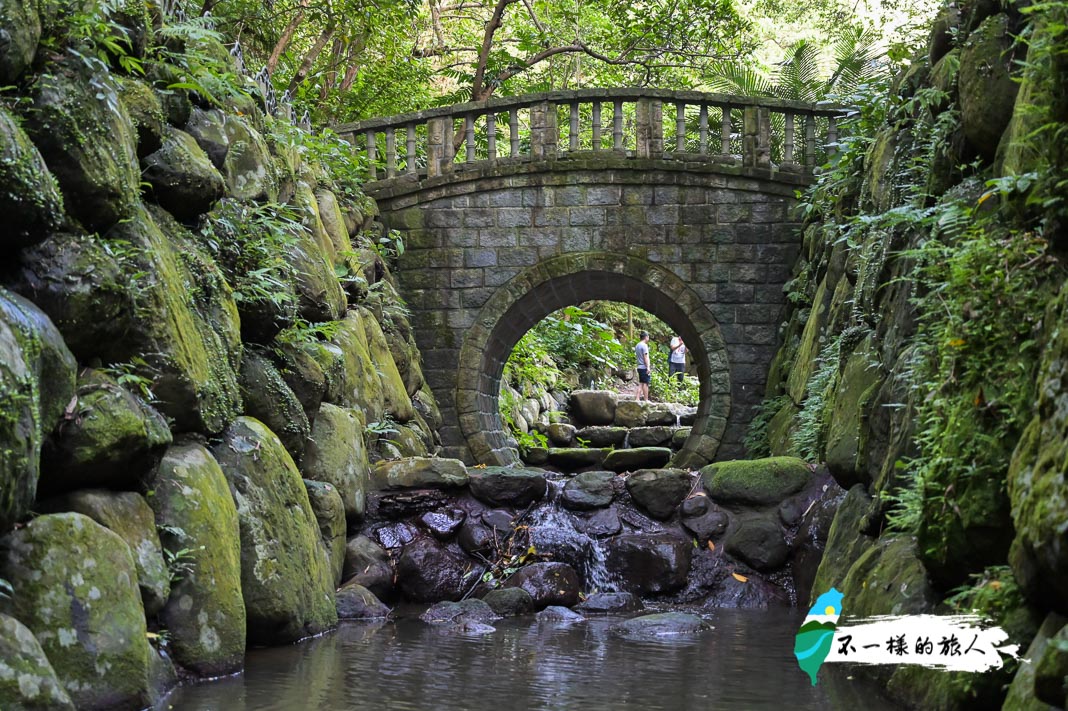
pixel 570 279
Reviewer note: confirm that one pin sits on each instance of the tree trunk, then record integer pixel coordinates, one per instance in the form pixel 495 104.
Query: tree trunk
pixel 286 38
pixel 310 57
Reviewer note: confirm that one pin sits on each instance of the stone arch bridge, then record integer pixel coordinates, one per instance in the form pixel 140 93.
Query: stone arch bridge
pixel 679 203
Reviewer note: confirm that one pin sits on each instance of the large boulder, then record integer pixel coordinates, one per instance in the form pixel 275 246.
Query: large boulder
pixel 509 602
pixel 427 571
pixel 889 579
pixel 1023 692
pixel 644 563
pixel 659 436
pixel 330 515
pixel 986 85
pixel 355 602
pixel 593 407
pixel 75 588
pixel 286 579
pixel 269 399
pixel 452 613
pixel 589 490
pixel 27 680
pixel 29 195
pixel 573 458
pixel 88 142
pixel 146 113
pixel 107 437
pixel 195 512
pixel 22 31
pixel 128 515
pixel 247 167
pixel 631 414
pixel 336 454
pixel 659 491
pixel 398 404
pixel 601 436
pixel 351 376
pixel 548 584
pixel 367 564
pixel 302 373
pixel 36 384
pixel 419 472
pixel 758 542
pixel 661 624
pixel 319 293
pixel 758 482
pixel 631 460
pixel 504 486
pixel 183 180
pixel 846 541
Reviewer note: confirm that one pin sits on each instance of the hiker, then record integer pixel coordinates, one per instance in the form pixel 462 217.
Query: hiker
pixel 641 352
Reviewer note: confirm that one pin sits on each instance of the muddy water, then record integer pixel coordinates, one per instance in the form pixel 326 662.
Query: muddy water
pixel 745 662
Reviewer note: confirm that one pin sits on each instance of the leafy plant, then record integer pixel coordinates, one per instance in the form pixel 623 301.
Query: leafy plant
pixel 130 375
pixel 6 590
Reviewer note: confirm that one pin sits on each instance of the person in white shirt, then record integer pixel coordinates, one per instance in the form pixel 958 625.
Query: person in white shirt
pixel 641 352
pixel 677 359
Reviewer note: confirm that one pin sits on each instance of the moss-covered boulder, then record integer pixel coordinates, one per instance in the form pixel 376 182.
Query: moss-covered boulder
pixel 302 373
pixel 330 515
pixel 146 113
pixel 320 296
pixel 367 564
pixel 889 579
pixel 336 455
pixel 1051 670
pixel 248 168
pixel 183 180
pixel 22 31
pixel 107 437
pixel 352 378
pixel 505 486
pixel 659 491
pixel 986 85
pixel 128 515
pixel 845 542
pixel 758 542
pixel 758 482
pixel 589 490
pixel 574 458
pixel 394 391
pixel 185 326
pixel 207 127
pixel 205 615
pixel 88 142
pixel 75 588
pixel 27 680
pixel 36 384
pixel 332 219
pixel 286 579
pixel 847 431
pixel 419 473
pixel 29 195
pixel 1022 692
pixel 269 399
pixel 630 460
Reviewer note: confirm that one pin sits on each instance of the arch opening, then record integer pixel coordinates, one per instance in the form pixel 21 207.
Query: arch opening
pixel 572 279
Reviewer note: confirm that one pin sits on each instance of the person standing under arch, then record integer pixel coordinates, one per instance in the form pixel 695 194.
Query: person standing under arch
pixel 677 359
pixel 641 352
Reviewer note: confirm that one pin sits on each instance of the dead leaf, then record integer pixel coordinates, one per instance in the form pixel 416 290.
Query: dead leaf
pixel 711 546
pixel 740 578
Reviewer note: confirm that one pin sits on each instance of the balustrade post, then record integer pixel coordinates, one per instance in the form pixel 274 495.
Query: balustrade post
pixel 810 143
pixel 756 137
pixel 650 129
pixel 409 160
pixel 391 152
pixel 372 156
pixel 544 135
pixel 435 145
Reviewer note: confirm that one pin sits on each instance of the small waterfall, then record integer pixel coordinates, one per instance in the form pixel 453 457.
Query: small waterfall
pixel 553 531
pixel 626 440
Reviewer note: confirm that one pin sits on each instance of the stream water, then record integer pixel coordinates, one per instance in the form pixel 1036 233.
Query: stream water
pixel 745 662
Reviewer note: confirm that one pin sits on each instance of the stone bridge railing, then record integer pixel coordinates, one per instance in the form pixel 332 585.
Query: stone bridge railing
pixel 761 134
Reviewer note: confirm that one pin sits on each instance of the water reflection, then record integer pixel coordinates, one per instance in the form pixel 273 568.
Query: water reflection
pixel 745 662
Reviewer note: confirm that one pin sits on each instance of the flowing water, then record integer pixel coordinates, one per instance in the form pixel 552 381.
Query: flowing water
pixel 744 663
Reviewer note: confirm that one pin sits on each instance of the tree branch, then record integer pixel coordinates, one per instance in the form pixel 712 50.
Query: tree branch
pixel 286 38
pixel 492 26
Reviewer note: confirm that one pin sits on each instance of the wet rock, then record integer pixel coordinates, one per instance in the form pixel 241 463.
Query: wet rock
pixel 573 458
pixel 548 584
pixel 755 482
pixel 629 460
pixel 631 414
pixel 509 602
pixel 659 415
pixel 499 520
pixel 554 614
pixel 687 415
pixel 610 602
pixel 534 456
pixel 336 455
pixel 558 539
pixel 367 564
pixel 602 436
pixel 396 535
pixel 29 682
pixel 183 180
pixel 651 436
pixel 429 572
pixel 659 491
pixel 504 486
pixel 716 573
pixel 404 503
pixel 36 384
pixel 589 490
pixel 269 399
pixel 29 196
pixel 286 579
pixel 603 523
pixel 648 563
pixel 845 541
pixel 355 602
pixel 811 539
pixel 450 613
pixel 88 143
pixel 443 523
pixel 418 472
pixel 128 515
pixel 330 515
pixel 593 407
pixel 758 542
pixel 702 518
pixel 663 624
pixel 75 588
pixel 562 435
pixel 889 579
pixel 109 438
pixel 205 612
pixel 475 537
pixel 678 438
